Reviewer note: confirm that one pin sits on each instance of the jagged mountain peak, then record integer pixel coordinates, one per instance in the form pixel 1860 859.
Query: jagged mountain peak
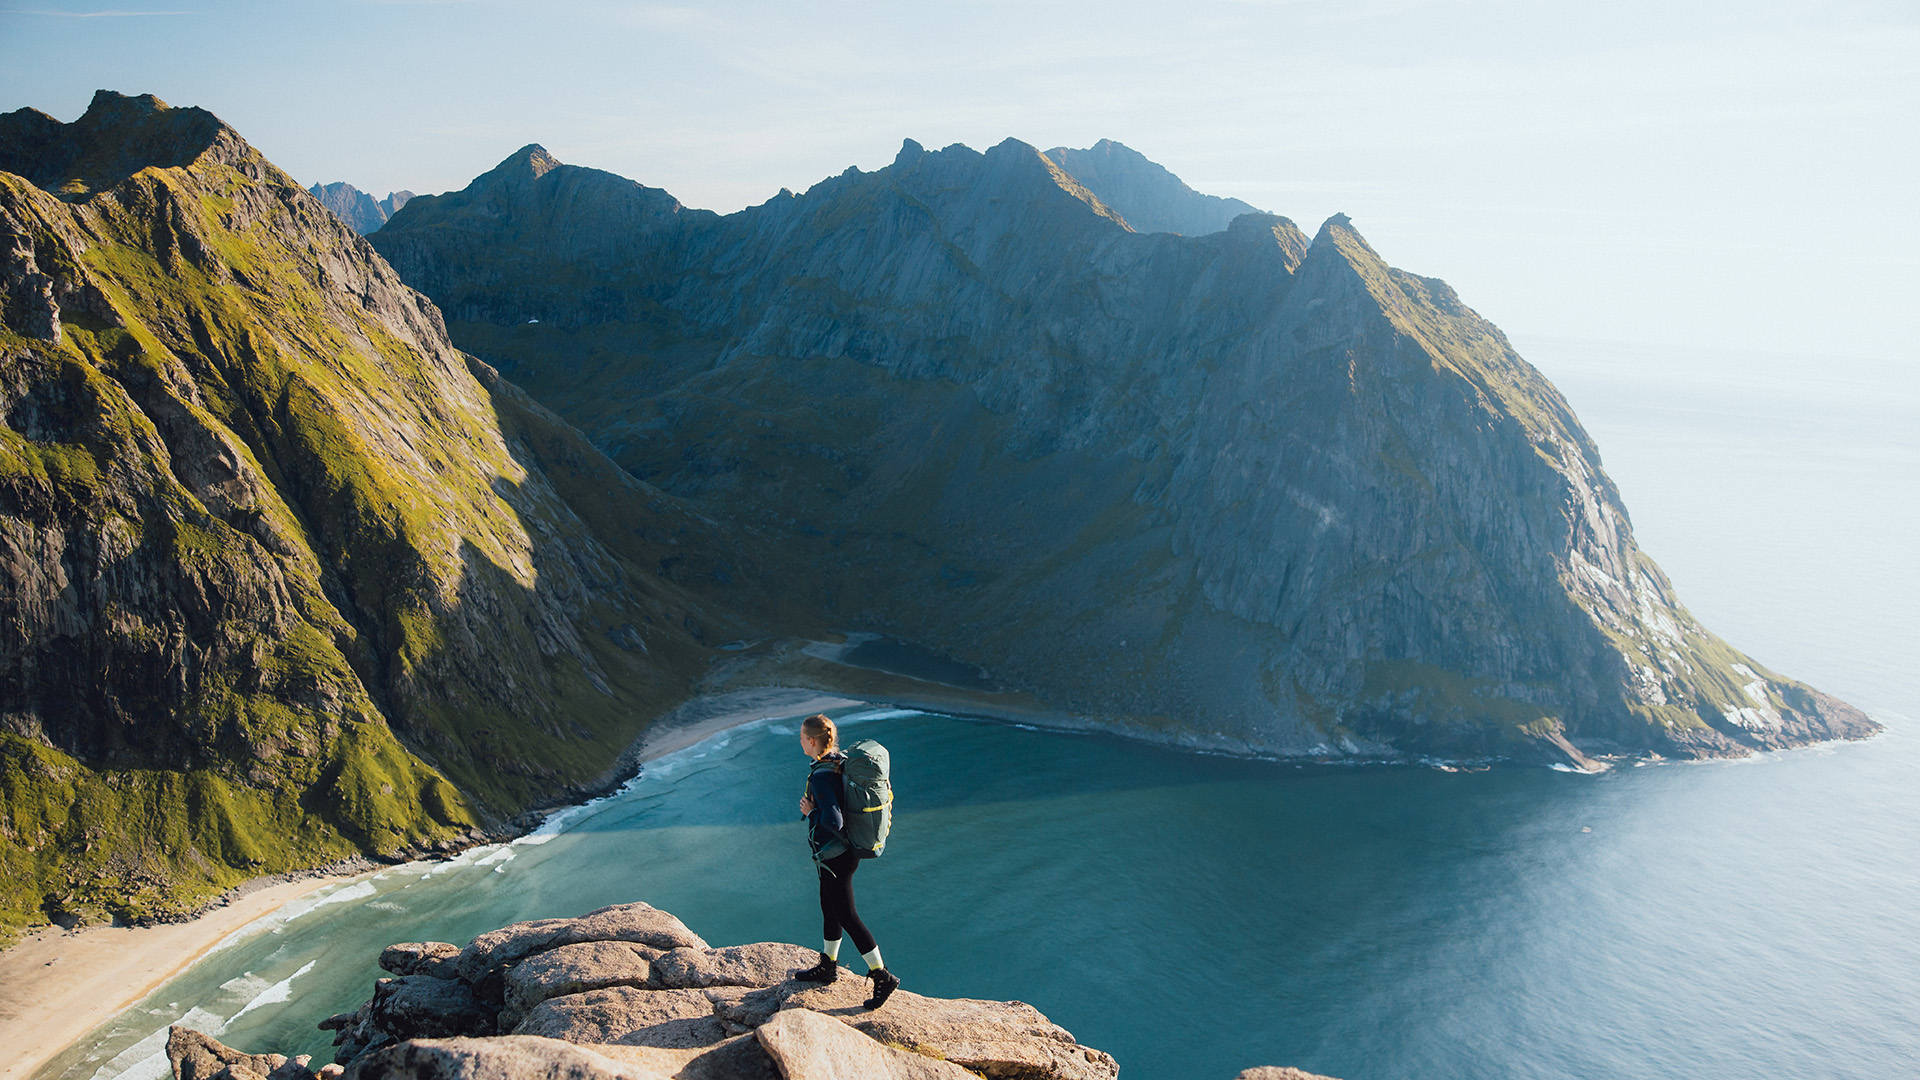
pixel 359 209
pixel 530 162
pixel 118 136
pixel 1261 228
pixel 1146 193
pixel 1004 413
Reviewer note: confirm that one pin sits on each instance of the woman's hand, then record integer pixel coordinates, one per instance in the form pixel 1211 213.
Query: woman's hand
pixel 806 804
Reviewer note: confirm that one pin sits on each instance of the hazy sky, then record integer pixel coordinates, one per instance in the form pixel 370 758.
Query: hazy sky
pixel 1701 174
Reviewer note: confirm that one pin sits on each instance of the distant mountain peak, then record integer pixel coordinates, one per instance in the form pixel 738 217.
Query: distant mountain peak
pixel 530 162
pixel 360 210
pixel 1144 192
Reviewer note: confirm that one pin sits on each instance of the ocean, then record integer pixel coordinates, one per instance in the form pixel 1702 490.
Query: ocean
pixel 1196 915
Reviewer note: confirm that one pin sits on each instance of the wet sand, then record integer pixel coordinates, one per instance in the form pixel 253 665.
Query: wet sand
pixel 58 985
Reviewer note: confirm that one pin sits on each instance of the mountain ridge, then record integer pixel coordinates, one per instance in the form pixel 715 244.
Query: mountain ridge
pixel 1270 447
pixel 1145 193
pixel 360 210
pixel 291 578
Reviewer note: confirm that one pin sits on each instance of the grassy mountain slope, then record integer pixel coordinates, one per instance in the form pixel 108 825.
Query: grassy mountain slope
pixel 287 577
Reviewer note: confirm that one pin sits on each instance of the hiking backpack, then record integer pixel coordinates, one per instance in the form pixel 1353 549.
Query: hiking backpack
pixel 869 798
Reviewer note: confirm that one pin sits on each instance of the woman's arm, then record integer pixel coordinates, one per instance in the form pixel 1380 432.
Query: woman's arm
pixel 824 789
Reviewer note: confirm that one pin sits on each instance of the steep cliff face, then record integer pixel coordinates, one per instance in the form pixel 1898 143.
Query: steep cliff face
pixel 1242 489
pixel 286 577
pixel 1151 198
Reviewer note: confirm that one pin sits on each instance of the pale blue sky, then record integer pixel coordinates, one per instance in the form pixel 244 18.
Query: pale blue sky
pixel 1705 174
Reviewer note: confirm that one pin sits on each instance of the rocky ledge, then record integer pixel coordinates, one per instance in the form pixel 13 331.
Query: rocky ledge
pixel 629 992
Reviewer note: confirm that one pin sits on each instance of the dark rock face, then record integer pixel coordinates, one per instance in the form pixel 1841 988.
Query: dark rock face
pixel 287 578
pixel 1243 490
pixel 1143 192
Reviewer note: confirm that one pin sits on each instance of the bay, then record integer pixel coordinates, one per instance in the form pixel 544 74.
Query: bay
pixel 1198 915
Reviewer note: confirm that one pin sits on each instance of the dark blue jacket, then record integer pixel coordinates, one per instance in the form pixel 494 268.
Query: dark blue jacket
pixel 828 822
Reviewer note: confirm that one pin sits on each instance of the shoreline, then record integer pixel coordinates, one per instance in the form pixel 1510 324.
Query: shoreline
pixel 58 986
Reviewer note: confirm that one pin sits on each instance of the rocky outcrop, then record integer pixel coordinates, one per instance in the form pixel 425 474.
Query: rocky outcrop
pixel 361 212
pixel 1149 197
pixel 1249 490
pixel 697 1013
pixel 632 976
pixel 286 577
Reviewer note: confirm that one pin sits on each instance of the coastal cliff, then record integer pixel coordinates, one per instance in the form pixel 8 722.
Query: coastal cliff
pixel 1251 490
pixel 290 578
pixel 630 992
pixel 287 578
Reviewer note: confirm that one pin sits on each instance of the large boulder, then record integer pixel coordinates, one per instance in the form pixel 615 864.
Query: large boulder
pixel 196 1056
pixel 1004 1040
pixel 764 963
pixel 623 1014
pixel 575 969
pixel 436 958
pixel 643 924
pixel 808 1046
pixel 510 1057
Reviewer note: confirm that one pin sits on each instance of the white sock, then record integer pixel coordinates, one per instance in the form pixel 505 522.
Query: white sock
pixel 832 949
pixel 874 963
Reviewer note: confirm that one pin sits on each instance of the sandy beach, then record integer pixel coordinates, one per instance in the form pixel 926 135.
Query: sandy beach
pixel 57 985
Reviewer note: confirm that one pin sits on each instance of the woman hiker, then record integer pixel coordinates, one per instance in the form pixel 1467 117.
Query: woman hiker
pixel 836 862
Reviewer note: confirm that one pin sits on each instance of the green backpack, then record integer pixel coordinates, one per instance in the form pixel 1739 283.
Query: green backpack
pixel 869 798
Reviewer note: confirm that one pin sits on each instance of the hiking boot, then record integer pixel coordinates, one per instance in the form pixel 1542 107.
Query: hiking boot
pixel 884 984
pixel 827 970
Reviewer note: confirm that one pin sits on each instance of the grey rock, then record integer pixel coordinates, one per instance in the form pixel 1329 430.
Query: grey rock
pixel 764 963
pixel 630 1016
pixel 508 1057
pixel 723 1025
pixel 435 958
pixel 1278 1072
pixel 197 1056
pixel 1008 1040
pixel 743 1010
pixel 638 923
pixel 426 1007
pixel 808 1046
pixel 739 1058
pixel 574 969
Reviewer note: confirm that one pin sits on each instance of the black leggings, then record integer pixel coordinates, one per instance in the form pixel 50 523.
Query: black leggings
pixel 836 902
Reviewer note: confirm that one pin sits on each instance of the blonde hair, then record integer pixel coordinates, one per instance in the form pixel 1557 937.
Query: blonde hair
pixel 821 729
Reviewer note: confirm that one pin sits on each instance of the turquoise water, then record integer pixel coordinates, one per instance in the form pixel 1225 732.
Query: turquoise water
pixel 1197 915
